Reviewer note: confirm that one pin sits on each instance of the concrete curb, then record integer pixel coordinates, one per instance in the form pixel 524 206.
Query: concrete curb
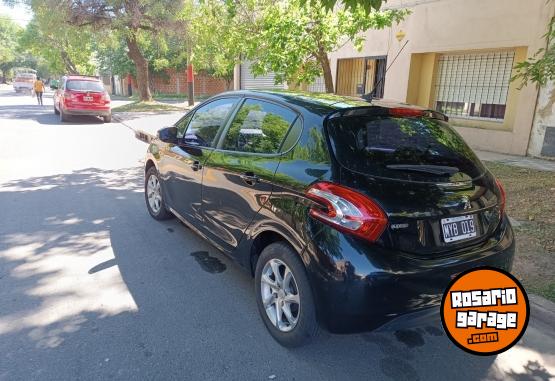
pixel 542 309
pixel 518 161
pixel 119 119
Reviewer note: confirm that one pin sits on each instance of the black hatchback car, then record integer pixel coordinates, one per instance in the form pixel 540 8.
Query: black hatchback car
pixel 347 213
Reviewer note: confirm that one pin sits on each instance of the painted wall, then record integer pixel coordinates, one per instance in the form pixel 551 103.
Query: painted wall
pixel 445 26
pixel 544 119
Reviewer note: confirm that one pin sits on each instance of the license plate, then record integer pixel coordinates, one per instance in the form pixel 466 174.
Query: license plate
pixel 458 228
pixel 88 99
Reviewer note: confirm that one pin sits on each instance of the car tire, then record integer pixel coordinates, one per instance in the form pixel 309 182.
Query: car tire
pixel 305 327
pixel 153 187
pixel 107 118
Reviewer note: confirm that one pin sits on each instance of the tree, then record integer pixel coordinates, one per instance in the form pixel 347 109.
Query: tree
pixel 136 21
pixel 65 50
pixel 219 31
pixel 367 5
pixel 9 34
pixel 540 68
pixel 296 36
pixel 111 52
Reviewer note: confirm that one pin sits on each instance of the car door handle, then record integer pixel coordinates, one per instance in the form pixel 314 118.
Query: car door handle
pixel 250 178
pixel 196 165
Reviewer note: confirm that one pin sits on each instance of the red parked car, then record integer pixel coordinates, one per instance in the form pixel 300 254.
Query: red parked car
pixel 82 95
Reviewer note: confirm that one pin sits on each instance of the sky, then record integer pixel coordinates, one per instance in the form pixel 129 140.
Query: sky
pixel 19 13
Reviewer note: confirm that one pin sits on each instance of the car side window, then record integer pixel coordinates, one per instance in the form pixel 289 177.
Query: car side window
pixel 206 122
pixel 182 124
pixel 258 127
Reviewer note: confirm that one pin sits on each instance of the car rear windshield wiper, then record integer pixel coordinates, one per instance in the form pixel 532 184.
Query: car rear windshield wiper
pixel 433 169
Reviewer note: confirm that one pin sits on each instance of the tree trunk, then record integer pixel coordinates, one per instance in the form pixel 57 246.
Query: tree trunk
pixel 326 68
pixel 141 66
pixel 68 63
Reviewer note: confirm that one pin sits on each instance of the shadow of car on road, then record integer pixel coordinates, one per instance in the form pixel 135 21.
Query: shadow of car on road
pixel 92 287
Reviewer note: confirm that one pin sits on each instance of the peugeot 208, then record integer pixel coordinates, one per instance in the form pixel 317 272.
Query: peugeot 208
pixel 348 214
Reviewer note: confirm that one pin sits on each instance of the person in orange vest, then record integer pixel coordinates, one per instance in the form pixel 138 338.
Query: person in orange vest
pixel 39 89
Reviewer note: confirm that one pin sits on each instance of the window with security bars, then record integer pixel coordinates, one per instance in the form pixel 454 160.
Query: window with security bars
pixel 474 85
pixel 318 86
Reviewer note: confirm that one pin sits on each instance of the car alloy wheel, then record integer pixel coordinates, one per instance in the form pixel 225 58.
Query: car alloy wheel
pixel 154 195
pixel 280 295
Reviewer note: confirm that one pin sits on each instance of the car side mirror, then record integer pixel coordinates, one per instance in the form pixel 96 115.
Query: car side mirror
pixel 168 135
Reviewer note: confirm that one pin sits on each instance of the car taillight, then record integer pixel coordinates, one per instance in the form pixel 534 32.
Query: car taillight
pixel 106 97
pixel 503 195
pixel 70 96
pixel 347 210
pixel 403 112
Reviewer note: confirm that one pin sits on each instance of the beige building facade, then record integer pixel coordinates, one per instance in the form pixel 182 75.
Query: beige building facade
pixel 458 57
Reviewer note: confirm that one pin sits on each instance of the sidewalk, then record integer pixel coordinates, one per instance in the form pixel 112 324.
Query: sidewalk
pixel 542 310
pixel 517 161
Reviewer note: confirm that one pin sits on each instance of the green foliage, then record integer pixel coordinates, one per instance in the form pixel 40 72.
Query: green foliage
pixel 218 33
pixel 162 51
pixel 12 55
pixel 540 68
pixel 367 5
pixel 295 37
pixel 111 53
pixel 138 23
pixel 9 33
pixel 64 48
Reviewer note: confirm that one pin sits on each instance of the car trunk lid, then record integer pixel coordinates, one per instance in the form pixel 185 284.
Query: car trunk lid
pixel 85 93
pixel 436 193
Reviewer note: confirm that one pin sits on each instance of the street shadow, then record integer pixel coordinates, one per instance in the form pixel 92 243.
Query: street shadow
pixel 44 115
pixel 91 287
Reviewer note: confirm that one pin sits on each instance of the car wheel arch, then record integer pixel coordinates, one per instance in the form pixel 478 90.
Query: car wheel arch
pixel 262 240
pixel 150 163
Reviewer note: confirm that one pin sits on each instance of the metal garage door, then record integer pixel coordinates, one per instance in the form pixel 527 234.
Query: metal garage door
pixel 249 81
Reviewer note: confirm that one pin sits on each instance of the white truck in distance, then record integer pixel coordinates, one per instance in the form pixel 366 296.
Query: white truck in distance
pixel 24 80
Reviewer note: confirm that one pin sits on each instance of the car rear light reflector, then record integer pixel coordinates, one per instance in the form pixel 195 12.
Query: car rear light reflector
pixel 503 195
pixel 347 210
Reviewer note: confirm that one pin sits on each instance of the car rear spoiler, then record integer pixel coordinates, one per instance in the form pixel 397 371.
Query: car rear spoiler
pixel 389 111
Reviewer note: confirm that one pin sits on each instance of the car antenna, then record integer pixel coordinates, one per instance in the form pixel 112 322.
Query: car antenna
pixel 369 96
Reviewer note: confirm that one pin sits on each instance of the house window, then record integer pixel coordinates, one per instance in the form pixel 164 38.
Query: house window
pixel 474 85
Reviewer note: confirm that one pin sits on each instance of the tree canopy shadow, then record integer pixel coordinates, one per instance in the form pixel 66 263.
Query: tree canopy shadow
pixel 91 287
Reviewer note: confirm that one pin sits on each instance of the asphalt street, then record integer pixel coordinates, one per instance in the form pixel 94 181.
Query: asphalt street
pixel 91 287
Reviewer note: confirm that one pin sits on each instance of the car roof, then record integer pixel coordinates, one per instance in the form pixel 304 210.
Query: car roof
pixel 319 103
pixel 83 77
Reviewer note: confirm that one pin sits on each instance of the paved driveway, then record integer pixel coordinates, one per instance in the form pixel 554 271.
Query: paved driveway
pixel 92 288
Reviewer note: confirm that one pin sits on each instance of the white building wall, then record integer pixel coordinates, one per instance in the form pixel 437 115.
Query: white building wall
pixel 462 25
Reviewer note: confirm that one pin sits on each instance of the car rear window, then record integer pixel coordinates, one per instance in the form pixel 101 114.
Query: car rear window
pixel 419 149
pixel 77 85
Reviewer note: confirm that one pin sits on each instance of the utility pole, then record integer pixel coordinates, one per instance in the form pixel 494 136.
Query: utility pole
pixel 190 78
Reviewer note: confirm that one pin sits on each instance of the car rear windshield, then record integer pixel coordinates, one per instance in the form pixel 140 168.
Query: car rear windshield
pixel 77 85
pixel 418 149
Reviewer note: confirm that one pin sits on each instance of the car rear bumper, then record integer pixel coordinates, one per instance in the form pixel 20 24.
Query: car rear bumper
pixel 361 287
pixel 97 111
